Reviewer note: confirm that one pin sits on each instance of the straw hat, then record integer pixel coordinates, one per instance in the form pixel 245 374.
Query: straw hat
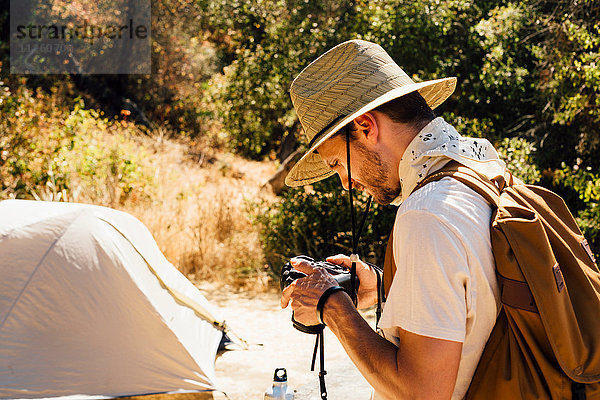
pixel 347 81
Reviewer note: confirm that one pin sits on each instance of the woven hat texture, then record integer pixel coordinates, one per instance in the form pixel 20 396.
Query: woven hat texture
pixel 347 81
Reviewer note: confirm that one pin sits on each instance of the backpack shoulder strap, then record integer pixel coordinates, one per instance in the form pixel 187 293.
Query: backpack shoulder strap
pixel 513 293
pixel 516 293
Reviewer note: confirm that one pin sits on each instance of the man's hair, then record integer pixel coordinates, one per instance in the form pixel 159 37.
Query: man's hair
pixel 408 109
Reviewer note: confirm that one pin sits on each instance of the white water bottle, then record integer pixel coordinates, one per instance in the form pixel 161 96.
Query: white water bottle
pixel 279 390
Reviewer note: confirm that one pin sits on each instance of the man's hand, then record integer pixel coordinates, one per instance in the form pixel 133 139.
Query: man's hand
pixel 367 291
pixel 305 293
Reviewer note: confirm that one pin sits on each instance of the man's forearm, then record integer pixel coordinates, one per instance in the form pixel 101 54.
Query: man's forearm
pixel 423 367
pixel 374 356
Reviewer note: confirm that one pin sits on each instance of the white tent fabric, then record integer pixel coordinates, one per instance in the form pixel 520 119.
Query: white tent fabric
pixel 89 306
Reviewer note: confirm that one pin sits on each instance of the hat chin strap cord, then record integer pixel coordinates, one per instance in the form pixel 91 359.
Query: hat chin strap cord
pixel 355 234
pixel 320 343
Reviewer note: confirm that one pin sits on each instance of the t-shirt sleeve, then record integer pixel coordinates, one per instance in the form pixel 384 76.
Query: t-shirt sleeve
pixel 427 296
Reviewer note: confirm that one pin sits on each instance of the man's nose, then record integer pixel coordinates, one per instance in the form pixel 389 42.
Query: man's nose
pixel 344 180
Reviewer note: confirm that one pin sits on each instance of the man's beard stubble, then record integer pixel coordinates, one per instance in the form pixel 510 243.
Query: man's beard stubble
pixel 378 174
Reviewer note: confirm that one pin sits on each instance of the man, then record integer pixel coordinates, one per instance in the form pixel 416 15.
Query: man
pixel 443 302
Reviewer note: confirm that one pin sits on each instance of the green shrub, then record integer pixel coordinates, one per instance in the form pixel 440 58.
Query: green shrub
pixel 518 154
pixel 49 152
pixel 31 145
pixel 586 185
pixel 106 160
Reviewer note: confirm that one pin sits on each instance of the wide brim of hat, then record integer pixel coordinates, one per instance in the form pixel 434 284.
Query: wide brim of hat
pixel 311 168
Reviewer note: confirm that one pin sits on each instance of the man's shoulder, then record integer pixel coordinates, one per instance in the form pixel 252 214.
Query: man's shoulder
pixel 438 195
pixel 449 201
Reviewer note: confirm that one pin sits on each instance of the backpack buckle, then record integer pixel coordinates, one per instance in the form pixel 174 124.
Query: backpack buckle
pixel 558 277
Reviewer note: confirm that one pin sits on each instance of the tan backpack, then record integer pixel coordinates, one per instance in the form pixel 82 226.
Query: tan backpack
pixel 546 341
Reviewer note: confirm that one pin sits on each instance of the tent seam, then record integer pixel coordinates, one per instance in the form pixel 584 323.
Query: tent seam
pixel 176 295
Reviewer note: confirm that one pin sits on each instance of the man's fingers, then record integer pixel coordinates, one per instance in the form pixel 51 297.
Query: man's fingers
pixel 340 259
pixel 302 265
pixel 344 261
pixel 286 293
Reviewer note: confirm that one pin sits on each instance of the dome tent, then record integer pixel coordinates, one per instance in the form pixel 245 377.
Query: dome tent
pixel 89 306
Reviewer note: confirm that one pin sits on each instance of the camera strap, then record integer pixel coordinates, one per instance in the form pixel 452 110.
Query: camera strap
pixel 353 256
pixel 320 345
pixel 355 238
pixel 380 295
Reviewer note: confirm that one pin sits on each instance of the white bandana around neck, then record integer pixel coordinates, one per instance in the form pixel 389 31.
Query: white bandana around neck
pixel 434 146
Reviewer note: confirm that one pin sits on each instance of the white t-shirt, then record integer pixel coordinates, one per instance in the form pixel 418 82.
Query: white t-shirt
pixel 445 284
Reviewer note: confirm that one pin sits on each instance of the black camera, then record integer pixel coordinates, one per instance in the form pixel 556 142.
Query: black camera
pixel 342 275
pixel 339 273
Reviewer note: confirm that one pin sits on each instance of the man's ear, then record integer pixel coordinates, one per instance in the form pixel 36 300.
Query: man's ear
pixel 367 127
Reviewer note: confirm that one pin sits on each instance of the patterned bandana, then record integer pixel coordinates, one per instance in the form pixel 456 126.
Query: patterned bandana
pixel 434 146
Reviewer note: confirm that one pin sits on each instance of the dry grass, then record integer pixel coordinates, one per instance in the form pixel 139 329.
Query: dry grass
pixel 199 214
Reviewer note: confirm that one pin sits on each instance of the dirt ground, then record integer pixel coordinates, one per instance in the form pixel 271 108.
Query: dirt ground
pixel 274 343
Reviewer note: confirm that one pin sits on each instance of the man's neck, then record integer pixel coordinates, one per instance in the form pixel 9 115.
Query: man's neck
pixel 403 136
